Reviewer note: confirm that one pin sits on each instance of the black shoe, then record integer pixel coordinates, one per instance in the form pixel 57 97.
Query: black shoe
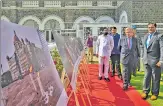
pixel 112 75
pixel 125 88
pixel 91 60
pixel 120 77
pixel 100 78
pixel 129 84
pixel 134 74
pixel 107 79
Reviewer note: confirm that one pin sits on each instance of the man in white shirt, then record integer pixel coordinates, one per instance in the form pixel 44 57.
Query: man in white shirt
pixel 105 44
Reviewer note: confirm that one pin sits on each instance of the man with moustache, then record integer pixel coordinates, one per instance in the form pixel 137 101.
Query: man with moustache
pixel 153 60
pixel 128 46
pixel 105 44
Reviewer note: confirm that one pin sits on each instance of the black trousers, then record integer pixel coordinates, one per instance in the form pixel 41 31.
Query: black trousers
pixel 115 58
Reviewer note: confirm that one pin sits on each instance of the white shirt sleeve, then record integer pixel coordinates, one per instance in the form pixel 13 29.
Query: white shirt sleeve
pixel 111 43
pixel 97 45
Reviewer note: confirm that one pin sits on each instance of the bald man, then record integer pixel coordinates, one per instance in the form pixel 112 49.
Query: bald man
pixel 128 47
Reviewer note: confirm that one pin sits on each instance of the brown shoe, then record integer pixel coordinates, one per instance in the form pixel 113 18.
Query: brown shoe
pixel 144 96
pixel 153 97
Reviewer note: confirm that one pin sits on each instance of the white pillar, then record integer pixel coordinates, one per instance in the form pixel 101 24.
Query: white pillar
pixel 94 33
pixel 79 33
pixel 119 29
pixel 50 36
pixel 77 30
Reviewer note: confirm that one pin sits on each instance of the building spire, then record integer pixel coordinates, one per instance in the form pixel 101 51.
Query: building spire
pixel 15 37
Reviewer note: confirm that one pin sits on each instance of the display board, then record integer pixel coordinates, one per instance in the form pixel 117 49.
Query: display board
pixel 28 74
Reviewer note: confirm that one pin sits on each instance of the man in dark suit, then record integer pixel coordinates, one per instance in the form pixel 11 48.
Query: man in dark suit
pixel 153 60
pixel 128 46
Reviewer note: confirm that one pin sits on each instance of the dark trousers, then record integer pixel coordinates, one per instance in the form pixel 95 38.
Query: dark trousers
pixel 127 69
pixel 136 66
pixel 152 73
pixel 115 58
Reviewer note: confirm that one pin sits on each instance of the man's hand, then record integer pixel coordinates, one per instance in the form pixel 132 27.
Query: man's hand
pixel 158 64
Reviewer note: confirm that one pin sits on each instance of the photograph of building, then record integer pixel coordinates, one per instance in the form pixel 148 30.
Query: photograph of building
pixel 27 77
pixel 24 63
pixel 24 57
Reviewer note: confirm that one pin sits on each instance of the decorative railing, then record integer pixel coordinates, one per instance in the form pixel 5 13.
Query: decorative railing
pixel 84 3
pixel 8 3
pixel 52 3
pixel 104 3
pixel 30 3
pixel 92 4
pixel 70 3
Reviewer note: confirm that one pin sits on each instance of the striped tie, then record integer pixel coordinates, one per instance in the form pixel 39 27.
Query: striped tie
pixel 129 43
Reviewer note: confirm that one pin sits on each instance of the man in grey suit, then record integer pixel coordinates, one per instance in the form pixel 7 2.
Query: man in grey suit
pixel 128 46
pixel 153 60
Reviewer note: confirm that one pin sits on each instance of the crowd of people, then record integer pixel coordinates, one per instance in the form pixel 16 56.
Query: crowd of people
pixel 125 50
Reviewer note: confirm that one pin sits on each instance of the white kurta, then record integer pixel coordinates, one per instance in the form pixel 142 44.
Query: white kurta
pixel 104 48
pixel 105 45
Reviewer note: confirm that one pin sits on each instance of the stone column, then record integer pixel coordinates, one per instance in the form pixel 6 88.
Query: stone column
pixel 77 31
pixel 94 33
pixel 50 36
pixel 119 28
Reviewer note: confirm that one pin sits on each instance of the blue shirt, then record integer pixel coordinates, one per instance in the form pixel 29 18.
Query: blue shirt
pixel 116 38
pixel 148 39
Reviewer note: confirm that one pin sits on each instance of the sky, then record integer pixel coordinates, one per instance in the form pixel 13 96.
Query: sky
pixel 7 39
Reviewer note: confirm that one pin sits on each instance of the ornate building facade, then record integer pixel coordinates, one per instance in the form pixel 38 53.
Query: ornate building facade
pixel 80 16
pixel 26 54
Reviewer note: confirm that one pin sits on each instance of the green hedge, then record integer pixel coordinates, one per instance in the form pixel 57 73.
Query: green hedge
pixel 55 55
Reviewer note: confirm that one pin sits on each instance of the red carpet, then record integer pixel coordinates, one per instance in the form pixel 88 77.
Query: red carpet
pixel 108 93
